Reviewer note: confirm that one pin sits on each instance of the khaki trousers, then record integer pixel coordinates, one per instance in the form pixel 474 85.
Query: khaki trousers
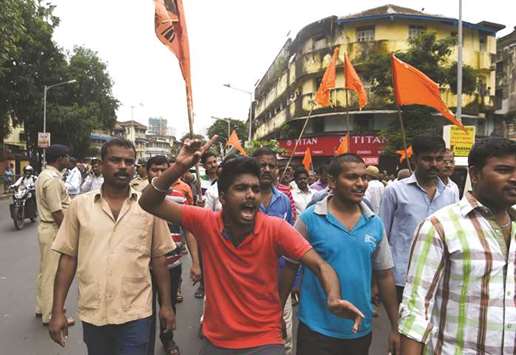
pixel 48 262
pixel 287 317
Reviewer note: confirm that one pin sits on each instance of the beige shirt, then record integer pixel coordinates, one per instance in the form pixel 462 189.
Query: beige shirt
pixel 139 183
pixel 113 256
pixel 51 194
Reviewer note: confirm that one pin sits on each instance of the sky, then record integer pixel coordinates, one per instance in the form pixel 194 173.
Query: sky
pixel 231 41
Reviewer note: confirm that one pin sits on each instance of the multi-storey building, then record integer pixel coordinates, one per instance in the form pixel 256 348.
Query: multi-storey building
pixel 284 96
pixel 158 126
pixel 506 83
pixel 136 133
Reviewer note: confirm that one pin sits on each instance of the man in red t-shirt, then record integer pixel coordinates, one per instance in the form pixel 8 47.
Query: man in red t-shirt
pixel 241 248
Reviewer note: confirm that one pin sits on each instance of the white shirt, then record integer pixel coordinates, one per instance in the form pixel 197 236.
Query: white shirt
pixel 301 199
pixel 28 182
pixel 374 194
pixel 92 182
pixel 73 181
pixel 453 186
pixel 212 198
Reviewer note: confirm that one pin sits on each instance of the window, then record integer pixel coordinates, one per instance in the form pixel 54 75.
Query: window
pixel 415 31
pixel 365 34
pixel 483 41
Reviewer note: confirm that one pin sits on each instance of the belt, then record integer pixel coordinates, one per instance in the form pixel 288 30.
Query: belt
pixel 51 222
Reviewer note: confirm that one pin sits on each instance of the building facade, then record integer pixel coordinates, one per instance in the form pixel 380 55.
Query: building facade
pixel 158 126
pixel 286 91
pixel 506 84
pixel 136 133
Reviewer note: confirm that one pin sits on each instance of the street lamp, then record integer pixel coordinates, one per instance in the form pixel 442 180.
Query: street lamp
pixel 250 134
pixel 45 90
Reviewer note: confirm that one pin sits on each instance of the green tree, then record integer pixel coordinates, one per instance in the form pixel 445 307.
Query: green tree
pixel 220 127
pixel 35 61
pixel 431 56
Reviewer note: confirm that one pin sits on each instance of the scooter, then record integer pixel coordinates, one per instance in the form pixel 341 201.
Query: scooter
pixel 23 205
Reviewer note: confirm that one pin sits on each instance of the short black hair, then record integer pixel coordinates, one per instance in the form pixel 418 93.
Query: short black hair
pixel 335 167
pixel 116 142
pixel 427 144
pixel 56 151
pixel 322 169
pixel 488 148
pixel 206 155
pixel 234 166
pixel 298 171
pixel 156 160
pixel 264 151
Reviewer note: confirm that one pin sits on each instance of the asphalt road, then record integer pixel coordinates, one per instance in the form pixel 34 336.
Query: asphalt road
pixel 22 334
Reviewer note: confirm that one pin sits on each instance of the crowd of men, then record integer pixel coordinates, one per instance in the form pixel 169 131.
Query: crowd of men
pixel 263 239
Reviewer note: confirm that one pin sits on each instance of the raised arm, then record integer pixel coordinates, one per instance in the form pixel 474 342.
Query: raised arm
pixel 153 196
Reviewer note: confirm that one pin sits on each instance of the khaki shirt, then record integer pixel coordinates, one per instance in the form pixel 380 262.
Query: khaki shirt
pixel 113 256
pixel 51 194
pixel 139 183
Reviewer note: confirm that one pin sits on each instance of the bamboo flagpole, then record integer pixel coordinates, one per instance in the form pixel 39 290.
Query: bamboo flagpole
pixel 404 139
pixel 298 139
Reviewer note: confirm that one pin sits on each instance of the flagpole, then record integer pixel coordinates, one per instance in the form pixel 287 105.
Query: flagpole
pixel 404 138
pixel 190 127
pixel 297 141
pixel 348 122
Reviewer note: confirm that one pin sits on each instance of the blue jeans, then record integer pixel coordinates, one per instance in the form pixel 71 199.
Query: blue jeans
pixel 131 338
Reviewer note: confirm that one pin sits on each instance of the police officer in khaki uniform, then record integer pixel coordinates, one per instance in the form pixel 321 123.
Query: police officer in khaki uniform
pixel 52 199
pixel 140 181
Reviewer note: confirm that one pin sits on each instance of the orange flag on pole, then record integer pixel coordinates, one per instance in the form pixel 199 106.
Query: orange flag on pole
pixel 354 83
pixel 170 27
pixel 413 87
pixel 404 155
pixel 343 146
pixel 307 159
pixel 328 81
pixel 235 143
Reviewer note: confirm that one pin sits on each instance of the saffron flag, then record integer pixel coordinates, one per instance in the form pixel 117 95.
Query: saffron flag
pixel 307 159
pixel 413 87
pixel 343 145
pixel 235 143
pixel 322 97
pixel 404 155
pixel 170 27
pixel 354 83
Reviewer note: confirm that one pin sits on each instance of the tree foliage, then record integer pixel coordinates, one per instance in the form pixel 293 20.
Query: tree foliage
pixel 33 61
pixel 220 127
pixel 431 56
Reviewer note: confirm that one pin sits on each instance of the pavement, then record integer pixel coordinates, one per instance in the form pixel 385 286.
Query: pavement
pixel 22 334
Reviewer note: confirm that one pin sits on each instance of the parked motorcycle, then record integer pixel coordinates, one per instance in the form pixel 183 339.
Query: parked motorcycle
pixel 23 205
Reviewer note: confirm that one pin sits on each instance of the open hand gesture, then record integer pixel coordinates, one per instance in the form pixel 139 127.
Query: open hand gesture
pixel 192 150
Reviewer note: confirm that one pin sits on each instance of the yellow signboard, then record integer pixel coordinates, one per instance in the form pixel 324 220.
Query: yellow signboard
pixel 461 141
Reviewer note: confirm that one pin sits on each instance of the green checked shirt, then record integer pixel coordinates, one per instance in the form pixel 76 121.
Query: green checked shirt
pixel 460 292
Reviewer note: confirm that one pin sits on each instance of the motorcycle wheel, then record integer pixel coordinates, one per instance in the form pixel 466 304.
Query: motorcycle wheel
pixel 19 217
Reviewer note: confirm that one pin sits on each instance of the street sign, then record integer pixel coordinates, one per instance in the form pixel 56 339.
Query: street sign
pixel 459 141
pixel 43 140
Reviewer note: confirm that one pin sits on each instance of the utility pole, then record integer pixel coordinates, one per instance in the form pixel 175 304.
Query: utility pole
pixel 458 112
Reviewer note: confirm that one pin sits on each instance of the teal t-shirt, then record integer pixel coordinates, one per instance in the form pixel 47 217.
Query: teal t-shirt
pixel 352 254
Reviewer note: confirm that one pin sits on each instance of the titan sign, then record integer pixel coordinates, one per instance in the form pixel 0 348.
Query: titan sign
pixel 369 147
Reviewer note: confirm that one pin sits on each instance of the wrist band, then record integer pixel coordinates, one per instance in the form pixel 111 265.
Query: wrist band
pixel 158 189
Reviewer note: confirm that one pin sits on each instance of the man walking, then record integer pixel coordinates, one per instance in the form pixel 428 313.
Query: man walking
pixel 407 202
pixel 459 297
pixel 52 199
pixel 277 204
pixel 352 240
pixel 112 242
pixel 302 194
pixel 375 188
pixel 242 248
pixel 94 180
pixel 180 193
pixel 73 179
pixel 447 172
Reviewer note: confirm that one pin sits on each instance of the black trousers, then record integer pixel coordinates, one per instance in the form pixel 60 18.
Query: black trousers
pixel 175 279
pixel 313 343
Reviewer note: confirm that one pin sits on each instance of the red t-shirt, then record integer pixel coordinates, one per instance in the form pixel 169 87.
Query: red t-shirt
pixel 242 308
